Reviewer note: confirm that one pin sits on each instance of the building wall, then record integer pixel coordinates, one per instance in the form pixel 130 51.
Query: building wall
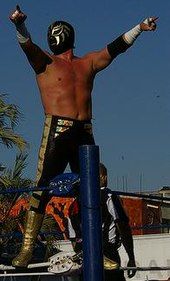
pixel 144 215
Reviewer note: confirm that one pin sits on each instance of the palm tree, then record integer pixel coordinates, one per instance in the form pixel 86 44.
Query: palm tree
pixel 13 178
pixel 9 117
pixel 10 178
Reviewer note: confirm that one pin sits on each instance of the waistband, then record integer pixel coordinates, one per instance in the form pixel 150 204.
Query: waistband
pixel 66 121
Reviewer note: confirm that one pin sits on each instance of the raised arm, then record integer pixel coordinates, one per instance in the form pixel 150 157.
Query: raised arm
pixel 37 58
pixel 103 58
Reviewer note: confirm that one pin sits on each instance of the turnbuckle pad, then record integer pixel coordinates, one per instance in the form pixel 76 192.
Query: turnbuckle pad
pixel 62 263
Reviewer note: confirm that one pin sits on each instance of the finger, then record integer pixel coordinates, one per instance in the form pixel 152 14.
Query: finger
pixel 152 20
pixel 153 26
pixel 155 18
pixel 18 8
pixel 14 14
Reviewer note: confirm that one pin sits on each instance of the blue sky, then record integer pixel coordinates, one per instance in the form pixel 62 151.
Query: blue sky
pixel 131 98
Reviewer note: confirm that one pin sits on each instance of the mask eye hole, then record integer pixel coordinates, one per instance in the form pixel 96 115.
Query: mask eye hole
pixel 57 30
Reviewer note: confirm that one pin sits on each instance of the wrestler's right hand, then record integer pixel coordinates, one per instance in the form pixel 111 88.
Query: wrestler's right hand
pixel 17 16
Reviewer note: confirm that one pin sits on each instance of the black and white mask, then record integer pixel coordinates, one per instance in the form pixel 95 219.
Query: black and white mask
pixel 60 37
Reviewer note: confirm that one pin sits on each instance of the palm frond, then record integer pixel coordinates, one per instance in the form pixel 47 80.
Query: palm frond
pixel 14 177
pixel 9 138
pixel 2 167
pixel 20 164
pixel 5 181
pixel 8 113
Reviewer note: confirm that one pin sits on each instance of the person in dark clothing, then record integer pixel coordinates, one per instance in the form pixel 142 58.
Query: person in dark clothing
pixel 116 230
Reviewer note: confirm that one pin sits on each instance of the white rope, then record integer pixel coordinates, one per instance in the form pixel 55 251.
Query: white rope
pixel 5 274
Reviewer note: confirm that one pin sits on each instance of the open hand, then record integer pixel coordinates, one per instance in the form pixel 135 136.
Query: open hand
pixel 17 17
pixel 149 24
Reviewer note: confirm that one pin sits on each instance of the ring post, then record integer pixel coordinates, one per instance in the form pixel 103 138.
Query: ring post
pixel 90 213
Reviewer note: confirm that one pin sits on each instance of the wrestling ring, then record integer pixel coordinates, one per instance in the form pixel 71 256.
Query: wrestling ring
pixel 66 264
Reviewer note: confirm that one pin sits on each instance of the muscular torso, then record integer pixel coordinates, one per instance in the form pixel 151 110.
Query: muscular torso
pixel 65 81
pixel 65 87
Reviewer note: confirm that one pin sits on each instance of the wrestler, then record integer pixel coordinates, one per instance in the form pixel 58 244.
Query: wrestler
pixel 65 83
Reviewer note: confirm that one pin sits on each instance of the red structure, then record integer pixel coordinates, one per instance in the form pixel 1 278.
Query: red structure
pixel 58 207
pixel 144 215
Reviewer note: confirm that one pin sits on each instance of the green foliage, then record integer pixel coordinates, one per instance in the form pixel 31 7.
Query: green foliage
pixel 9 117
pixel 14 177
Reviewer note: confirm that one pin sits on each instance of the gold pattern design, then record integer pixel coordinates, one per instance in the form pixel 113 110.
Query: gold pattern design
pixel 110 264
pixel 62 122
pixel 47 124
pixel 61 129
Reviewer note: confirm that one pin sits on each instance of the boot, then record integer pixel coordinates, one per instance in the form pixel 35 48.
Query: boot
pixel 33 225
pixel 110 264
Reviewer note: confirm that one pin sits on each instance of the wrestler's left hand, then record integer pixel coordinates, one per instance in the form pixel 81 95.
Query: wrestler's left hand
pixel 17 16
pixel 148 24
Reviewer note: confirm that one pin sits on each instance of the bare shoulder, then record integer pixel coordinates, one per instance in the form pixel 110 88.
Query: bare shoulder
pixel 99 59
pixel 96 53
pixel 85 61
pixel 88 58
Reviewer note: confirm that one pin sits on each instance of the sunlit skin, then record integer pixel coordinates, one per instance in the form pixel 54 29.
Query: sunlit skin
pixel 66 81
pixel 66 86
